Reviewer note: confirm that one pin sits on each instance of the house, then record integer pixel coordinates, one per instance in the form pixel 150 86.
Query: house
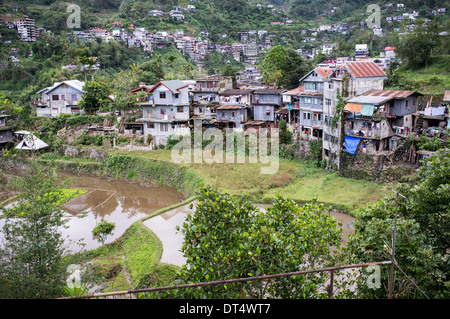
pixel 165 109
pixel 390 52
pixel 434 116
pixel 350 79
pixel 61 98
pixel 5 132
pixel 26 29
pixel 233 108
pixel 205 95
pixel 266 103
pixel 361 51
pixel 379 119
pixel 310 103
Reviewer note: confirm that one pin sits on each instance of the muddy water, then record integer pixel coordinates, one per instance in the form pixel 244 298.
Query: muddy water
pixel 109 200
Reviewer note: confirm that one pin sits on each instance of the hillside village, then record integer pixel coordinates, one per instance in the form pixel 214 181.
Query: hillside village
pixel 362 151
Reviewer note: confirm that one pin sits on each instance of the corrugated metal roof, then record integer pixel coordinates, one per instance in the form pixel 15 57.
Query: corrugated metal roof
pixel 377 100
pixel 324 72
pixel 269 91
pixel 236 92
pixel 231 107
pixel 395 94
pixel 295 91
pixel 362 69
pixel 311 94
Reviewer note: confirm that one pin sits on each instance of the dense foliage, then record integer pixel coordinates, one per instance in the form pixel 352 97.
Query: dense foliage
pixel 283 67
pixel 423 229
pixel 228 237
pixel 31 257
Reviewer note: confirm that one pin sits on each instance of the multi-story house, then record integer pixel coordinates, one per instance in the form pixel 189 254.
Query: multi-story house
pixel 310 103
pixel 205 95
pixel 61 98
pixel 5 132
pixel 165 110
pixel 376 120
pixel 233 109
pixel 26 29
pixel 350 79
pixel 266 103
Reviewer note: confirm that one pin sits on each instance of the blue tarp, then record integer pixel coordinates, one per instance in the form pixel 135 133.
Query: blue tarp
pixel 351 144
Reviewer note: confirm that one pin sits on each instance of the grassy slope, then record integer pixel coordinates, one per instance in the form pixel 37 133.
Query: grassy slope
pixel 433 79
pixel 294 179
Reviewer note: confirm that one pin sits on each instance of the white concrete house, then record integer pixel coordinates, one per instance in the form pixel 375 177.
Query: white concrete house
pixel 165 110
pixel 61 98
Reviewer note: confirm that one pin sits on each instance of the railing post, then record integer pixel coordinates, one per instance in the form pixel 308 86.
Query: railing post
pixel 330 286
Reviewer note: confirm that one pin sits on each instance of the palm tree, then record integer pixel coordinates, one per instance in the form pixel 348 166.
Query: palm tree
pixel 171 59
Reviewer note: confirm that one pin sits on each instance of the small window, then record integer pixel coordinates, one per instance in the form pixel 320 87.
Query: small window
pixel 151 125
pixel 74 97
pixel 55 97
pixel 177 95
pixel 163 127
pixel 180 109
pixel 162 95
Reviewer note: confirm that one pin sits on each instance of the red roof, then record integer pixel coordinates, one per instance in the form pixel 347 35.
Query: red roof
pixel 391 93
pixel 360 69
pixel 230 107
pixel 296 91
pixel 324 72
pixel 389 48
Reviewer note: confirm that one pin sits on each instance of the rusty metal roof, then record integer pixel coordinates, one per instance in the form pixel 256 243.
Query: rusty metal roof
pixel 324 72
pixel 231 107
pixel 393 94
pixel 361 69
pixel 296 91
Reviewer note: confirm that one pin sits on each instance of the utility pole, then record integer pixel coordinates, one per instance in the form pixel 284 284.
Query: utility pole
pixel 394 235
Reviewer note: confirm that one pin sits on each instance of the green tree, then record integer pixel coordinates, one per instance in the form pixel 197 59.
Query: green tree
pixel 416 48
pixel 423 229
pixel 228 237
pixel 102 230
pixel 96 96
pixel 31 258
pixel 283 67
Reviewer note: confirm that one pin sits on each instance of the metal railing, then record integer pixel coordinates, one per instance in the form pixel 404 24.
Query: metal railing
pixel 329 289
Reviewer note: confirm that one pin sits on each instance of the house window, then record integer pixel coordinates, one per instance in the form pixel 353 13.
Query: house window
pixel 233 114
pixel 328 102
pixel 310 86
pixel 177 95
pixel 162 95
pixel 65 86
pixel 163 127
pixel 180 109
pixel 74 97
pixel 55 97
pixel 150 125
pixel 307 100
